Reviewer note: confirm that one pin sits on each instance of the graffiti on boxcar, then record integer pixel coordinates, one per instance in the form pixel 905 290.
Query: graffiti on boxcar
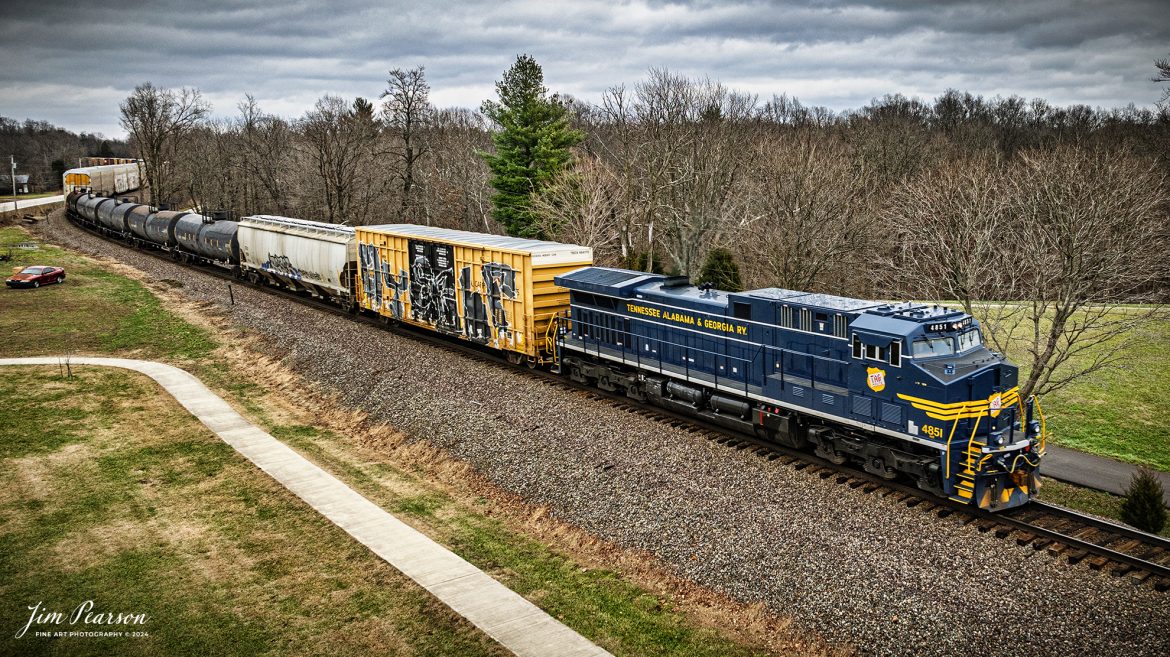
pixel 384 291
pixel 432 286
pixel 484 310
pixel 397 286
pixel 371 274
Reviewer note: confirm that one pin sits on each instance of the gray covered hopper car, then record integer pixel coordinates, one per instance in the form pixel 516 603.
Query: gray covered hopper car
pixel 300 254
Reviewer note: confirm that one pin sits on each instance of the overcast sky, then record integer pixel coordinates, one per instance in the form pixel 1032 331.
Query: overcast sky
pixel 72 62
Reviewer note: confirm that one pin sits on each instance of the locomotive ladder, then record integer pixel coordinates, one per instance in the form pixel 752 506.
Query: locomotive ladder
pixel 965 488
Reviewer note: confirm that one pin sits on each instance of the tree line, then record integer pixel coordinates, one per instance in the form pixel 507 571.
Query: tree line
pixel 1038 219
pixel 44 151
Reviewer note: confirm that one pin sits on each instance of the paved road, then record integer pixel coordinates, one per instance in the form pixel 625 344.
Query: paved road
pixel 1094 471
pixel 502 614
pixel 9 206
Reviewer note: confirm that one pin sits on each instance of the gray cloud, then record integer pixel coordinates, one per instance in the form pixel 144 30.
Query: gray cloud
pixel 71 63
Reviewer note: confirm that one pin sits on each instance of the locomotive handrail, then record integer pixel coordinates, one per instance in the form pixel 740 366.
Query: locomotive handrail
pixel 1043 425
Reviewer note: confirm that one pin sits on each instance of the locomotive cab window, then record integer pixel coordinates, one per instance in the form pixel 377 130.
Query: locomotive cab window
pixel 969 340
pixel 857 348
pixel 931 347
pixel 896 353
pixel 741 310
pixel 874 352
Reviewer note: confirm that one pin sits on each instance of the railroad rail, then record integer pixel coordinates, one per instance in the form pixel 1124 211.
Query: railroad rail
pixel 1061 532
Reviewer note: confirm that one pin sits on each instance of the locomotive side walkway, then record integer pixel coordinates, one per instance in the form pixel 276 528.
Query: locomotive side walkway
pixel 502 614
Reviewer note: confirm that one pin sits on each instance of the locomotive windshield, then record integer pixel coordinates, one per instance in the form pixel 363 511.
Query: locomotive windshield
pixel 969 340
pixel 931 347
pixel 946 346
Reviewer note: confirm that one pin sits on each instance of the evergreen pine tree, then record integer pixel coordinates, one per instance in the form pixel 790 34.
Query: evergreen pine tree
pixel 532 144
pixel 1144 506
pixel 721 271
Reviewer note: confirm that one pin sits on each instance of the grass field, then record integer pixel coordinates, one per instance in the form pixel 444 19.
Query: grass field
pixel 28 197
pixel 115 494
pixel 1122 412
pixel 120 497
pixel 93 311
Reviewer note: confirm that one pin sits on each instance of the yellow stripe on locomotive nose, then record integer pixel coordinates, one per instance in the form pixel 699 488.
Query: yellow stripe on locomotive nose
pixel 960 410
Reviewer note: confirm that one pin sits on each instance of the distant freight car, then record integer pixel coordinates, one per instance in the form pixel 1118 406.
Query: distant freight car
pixel 303 255
pixel 490 289
pixel 111 178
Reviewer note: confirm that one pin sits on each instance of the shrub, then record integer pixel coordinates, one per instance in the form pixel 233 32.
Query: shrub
pixel 721 271
pixel 1144 506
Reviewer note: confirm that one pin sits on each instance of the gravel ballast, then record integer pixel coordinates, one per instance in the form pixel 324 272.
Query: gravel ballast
pixel 857 568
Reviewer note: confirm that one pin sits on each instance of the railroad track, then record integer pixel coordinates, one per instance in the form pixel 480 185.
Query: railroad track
pixel 1060 532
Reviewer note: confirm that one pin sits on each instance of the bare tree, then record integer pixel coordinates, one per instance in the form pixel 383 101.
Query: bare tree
pixel 948 227
pixel 454 189
pixel 158 120
pixel 1044 252
pixel 207 168
pixel 684 152
pixel 339 142
pixel 265 143
pixel 408 111
pixel 1163 66
pixel 580 206
pixel 811 206
pixel 1090 235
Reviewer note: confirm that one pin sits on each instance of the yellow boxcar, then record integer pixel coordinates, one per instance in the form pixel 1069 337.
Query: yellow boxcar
pixel 493 290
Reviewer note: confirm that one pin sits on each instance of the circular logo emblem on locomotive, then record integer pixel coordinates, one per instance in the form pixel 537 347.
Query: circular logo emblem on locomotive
pixel 995 403
pixel 876 379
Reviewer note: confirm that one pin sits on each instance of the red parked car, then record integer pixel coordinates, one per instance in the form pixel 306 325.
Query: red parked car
pixel 36 276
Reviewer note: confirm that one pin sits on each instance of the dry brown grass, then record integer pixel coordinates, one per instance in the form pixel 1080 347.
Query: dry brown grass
pixel 363 440
pixel 289 399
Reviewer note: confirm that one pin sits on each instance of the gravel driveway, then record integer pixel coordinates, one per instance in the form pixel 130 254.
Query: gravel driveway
pixel 856 568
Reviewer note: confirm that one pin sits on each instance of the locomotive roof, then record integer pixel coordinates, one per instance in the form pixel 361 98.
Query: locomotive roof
pixel 504 242
pixel 828 301
pixel 881 316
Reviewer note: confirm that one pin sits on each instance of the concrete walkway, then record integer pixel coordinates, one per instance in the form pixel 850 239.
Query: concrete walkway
pixel 502 614
pixel 20 204
pixel 1093 471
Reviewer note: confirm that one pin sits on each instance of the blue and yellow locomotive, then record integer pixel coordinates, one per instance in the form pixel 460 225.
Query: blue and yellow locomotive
pixel 903 389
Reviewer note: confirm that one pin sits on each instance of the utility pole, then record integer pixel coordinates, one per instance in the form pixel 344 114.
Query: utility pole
pixel 13 159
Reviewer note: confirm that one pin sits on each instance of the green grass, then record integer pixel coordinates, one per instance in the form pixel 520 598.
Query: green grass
pixel 139 508
pixel 111 498
pixel 1121 412
pixel 93 311
pixel 1085 499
